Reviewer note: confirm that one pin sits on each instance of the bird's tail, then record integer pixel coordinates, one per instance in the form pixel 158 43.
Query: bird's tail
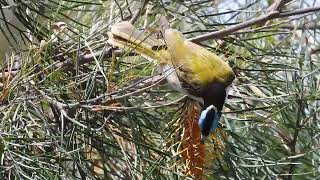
pixel 125 35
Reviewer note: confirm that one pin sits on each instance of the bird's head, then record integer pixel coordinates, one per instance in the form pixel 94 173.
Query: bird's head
pixel 214 97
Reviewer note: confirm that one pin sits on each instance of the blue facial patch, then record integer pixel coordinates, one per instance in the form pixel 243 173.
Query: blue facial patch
pixel 215 123
pixel 215 120
pixel 202 118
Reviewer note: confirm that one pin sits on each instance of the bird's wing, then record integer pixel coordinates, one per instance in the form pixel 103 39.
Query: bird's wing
pixel 125 35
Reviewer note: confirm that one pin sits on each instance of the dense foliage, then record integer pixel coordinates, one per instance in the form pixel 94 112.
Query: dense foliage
pixel 72 107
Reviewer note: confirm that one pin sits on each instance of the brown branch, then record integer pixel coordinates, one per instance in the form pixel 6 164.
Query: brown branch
pixel 135 16
pixel 88 58
pixel 300 11
pixel 138 12
pixel 231 29
pixel 277 5
pixel 273 14
pixel 301 27
pixel 281 27
pixel 269 16
pixel 84 59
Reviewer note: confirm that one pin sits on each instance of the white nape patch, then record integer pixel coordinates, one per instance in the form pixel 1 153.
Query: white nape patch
pixel 174 82
pixel 211 107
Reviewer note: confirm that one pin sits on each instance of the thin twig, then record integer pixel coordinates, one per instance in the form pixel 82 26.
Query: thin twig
pixel 269 16
pixel 135 16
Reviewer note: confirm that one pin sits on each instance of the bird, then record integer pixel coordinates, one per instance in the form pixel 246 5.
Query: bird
pixel 189 68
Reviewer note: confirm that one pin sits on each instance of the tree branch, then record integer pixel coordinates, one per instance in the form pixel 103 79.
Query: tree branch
pixel 84 59
pixel 135 16
pixel 300 11
pixel 269 16
pixel 273 14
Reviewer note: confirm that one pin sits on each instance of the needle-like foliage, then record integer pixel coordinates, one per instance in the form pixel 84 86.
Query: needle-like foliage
pixel 73 107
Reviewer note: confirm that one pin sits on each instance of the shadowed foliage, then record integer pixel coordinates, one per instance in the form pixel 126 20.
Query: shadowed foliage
pixel 73 107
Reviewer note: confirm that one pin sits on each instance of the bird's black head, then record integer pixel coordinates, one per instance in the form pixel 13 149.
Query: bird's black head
pixel 214 97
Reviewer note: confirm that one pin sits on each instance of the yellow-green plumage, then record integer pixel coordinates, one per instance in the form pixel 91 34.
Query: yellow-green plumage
pixel 193 64
pixel 204 65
